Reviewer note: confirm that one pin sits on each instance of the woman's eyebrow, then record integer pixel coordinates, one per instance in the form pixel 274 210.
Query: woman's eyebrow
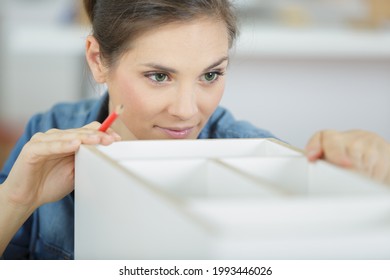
pixel 160 67
pixel 174 71
pixel 215 64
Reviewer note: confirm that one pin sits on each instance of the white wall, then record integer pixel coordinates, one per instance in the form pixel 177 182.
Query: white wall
pixel 42 65
pixel 295 98
pixel 41 57
pixel 295 82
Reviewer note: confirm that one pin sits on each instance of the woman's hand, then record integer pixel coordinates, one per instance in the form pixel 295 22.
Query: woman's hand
pixel 363 151
pixel 44 170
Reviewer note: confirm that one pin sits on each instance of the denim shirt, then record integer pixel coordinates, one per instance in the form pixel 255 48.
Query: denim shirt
pixel 49 232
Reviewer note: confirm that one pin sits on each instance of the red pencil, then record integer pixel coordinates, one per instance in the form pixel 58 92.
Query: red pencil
pixel 111 118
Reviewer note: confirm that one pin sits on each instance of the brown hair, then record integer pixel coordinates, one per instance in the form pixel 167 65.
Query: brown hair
pixel 116 23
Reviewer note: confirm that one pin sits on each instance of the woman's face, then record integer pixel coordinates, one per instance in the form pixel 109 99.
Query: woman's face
pixel 171 80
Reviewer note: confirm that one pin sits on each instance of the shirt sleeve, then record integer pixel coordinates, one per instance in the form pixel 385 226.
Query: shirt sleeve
pixel 18 248
pixel 31 129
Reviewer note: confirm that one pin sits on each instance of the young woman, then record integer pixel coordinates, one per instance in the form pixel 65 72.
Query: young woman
pixel 165 61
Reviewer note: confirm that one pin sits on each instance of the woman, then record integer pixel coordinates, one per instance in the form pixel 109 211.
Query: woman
pixel 165 62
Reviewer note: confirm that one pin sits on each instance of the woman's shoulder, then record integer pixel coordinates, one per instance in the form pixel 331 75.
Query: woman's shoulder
pixel 222 124
pixel 66 115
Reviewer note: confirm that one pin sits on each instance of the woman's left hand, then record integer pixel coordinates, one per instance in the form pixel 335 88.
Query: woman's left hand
pixel 359 150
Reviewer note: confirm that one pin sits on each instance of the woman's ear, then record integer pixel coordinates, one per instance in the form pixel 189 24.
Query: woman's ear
pixel 92 48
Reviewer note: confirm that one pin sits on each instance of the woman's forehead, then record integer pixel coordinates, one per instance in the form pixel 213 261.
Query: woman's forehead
pixel 200 43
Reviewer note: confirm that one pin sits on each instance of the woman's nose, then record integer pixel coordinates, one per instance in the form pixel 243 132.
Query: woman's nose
pixel 184 105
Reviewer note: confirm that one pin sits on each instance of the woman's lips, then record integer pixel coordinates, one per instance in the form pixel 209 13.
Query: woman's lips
pixel 177 133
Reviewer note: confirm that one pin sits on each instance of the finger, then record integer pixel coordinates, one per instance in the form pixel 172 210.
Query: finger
pixel 90 128
pixel 93 125
pixel 313 148
pixel 369 161
pixel 386 179
pixel 86 136
pixel 376 158
pixel 334 146
pixel 38 151
pixel 365 150
pixel 380 170
pixel 359 150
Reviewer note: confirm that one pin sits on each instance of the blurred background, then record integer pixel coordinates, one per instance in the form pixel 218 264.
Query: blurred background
pixel 298 66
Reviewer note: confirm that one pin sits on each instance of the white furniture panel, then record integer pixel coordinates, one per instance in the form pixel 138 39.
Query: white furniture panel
pixel 223 199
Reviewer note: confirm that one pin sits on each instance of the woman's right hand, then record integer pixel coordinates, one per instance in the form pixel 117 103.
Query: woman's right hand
pixel 44 170
pixel 359 150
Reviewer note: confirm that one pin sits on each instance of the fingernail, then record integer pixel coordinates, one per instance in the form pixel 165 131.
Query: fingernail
pixel 312 154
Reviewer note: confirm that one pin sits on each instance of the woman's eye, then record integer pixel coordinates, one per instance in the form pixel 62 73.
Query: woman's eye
pixel 210 77
pixel 158 77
